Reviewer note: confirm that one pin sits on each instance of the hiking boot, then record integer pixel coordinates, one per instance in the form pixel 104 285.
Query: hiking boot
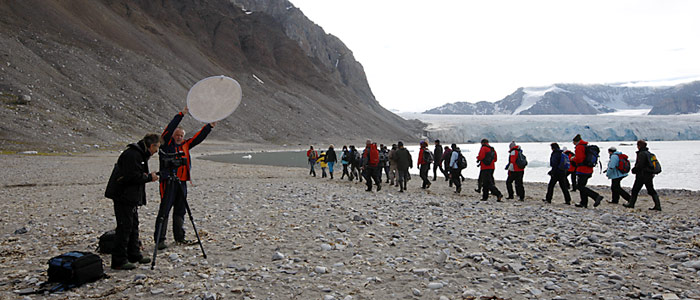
pixel 428 186
pixel 499 198
pixel 186 242
pixel 459 190
pixel 597 201
pixel 522 199
pixel 142 260
pixel 546 201
pixel 628 205
pixel 510 197
pixel 162 246
pixel 655 208
pixel 581 205
pixel 477 190
pixel 368 190
pixel 125 266
pixel 379 187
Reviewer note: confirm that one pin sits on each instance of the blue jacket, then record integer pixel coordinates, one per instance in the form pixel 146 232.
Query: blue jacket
pixel 613 172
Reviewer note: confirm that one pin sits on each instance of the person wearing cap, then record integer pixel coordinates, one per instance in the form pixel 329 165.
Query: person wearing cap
pixel 616 176
pixel 583 173
pixel 557 174
pixel 572 169
pixel 403 163
pixel 424 160
pixel 486 173
pixel 644 177
pixel 437 153
pixel 515 173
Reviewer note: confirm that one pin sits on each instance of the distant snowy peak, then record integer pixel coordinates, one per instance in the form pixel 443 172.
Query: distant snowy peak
pixel 578 99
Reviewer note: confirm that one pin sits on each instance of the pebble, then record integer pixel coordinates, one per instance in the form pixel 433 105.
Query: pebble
pixel 320 270
pixel 435 285
pixel 416 292
pixel 157 291
pixel 277 256
pixel 140 276
pixel 326 247
pixel 173 257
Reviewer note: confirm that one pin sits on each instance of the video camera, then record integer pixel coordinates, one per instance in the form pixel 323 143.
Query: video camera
pixel 171 161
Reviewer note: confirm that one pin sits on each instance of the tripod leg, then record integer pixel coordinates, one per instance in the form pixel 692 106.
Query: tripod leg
pixel 169 197
pixel 189 212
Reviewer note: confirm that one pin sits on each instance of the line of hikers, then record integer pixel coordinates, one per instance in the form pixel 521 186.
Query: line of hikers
pixel 579 165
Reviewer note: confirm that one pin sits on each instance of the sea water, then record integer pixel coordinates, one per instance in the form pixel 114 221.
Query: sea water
pixel 678 160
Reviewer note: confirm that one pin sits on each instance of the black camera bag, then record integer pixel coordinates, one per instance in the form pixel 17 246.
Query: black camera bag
pixel 75 268
pixel 106 243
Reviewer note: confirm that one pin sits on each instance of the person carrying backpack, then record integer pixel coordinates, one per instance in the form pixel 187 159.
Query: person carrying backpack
pixel 404 161
pixel 393 165
pixel 572 169
pixel 424 160
pixel 584 171
pixel 437 153
pixel 559 162
pixel 515 172
pixel 645 168
pixel 616 175
pixel 312 156
pixel 456 167
pixel 370 166
pixel 487 158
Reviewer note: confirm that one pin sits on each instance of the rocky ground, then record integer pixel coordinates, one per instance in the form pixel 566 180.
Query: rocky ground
pixel 274 233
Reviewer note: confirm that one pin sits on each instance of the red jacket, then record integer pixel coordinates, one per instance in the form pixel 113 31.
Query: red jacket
pixel 580 157
pixel 169 146
pixel 514 156
pixel 482 154
pixel 420 157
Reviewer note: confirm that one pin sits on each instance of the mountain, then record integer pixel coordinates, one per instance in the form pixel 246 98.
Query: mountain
pixel 105 72
pixel 577 99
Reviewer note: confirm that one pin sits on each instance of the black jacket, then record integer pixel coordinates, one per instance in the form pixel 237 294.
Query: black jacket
pixel 331 156
pixel 437 153
pixel 403 159
pixel 127 184
pixel 641 166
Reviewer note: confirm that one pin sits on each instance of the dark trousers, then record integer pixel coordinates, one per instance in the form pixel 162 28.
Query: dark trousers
pixel 387 172
pixel 345 171
pixel 573 180
pixel 644 180
pixel 454 178
pixel 356 172
pixel 424 169
pixel 312 169
pixel 563 184
pixel 403 177
pixel 516 177
pixel 489 185
pixel 585 192
pixel 479 183
pixel 126 240
pixel 372 173
pixel 618 192
pixel 436 166
pixel 178 208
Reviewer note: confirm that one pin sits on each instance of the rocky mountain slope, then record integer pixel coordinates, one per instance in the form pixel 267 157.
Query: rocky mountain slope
pixel 77 73
pixel 577 99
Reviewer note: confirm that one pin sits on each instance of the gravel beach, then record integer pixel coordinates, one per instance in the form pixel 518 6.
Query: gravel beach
pixel 275 233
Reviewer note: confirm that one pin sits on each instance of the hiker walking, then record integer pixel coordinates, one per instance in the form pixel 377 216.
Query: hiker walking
pixel 355 164
pixel 331 159
pixel 384 162
pixel 404 161
pixel 345 161
pixel 572 169
pixel 585 159
pixel 322 161
pixel 312 156
pixel 370 166
pixel 424 160
pixel 616 175
pixel 487 158
pixel 438 161
pixel 559 161
pixel 645 168
pixel 457 163
pixel 393 165
pixel 516 171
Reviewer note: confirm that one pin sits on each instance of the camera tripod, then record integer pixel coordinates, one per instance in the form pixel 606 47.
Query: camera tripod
pixel 172 183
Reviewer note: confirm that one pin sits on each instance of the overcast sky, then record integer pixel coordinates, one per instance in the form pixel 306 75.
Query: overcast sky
pixel 421 54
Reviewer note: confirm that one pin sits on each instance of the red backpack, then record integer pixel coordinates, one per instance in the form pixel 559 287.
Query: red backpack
pixel 373 155
pixel 624 163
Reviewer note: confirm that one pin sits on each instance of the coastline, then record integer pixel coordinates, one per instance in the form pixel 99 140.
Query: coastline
pixel 340 241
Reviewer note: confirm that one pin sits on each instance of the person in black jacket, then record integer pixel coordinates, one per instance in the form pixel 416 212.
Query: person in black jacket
pixel 438 161
pixel 557 174
pixel 331 159
pixel 127 188
pixel 644 177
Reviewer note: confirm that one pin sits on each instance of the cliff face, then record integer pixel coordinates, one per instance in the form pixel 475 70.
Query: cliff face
pixel 87 72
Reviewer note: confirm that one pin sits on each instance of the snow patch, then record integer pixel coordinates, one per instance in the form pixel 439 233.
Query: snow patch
pixel 629 112
pixel 532 96
pixel 258 79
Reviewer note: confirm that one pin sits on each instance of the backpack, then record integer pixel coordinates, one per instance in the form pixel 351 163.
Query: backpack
pixel 623 165
pixel 427 156
pixel 313 155
pixel 75 268
pixel 489 156
pixel 383 157
pixel 461 161
pixel 106 242
pixel 373 154
pixel 564 162
pixel 521 160
pixel 592 156
pixel 358 157
pixel 654 164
